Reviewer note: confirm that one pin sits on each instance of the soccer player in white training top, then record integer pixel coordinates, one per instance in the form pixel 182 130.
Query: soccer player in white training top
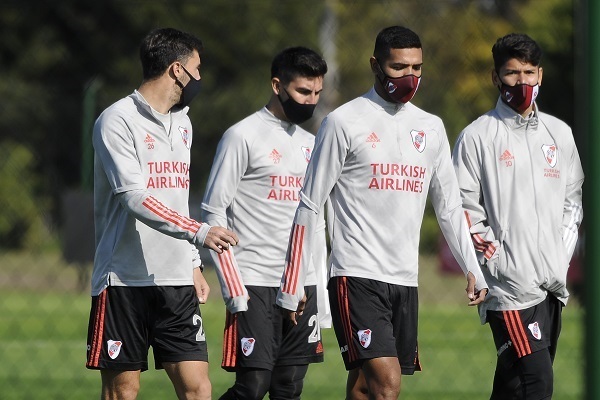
pixel 253 189
pixel 147 280
pixel 377 158
pixel 520 177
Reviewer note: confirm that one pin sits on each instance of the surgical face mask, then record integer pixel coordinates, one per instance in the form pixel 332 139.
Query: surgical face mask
pixel 189 91
pixel 295 112
pixel 400 90
pixel 519 97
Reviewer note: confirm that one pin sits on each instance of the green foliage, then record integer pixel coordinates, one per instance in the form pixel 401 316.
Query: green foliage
pixel 21 206
pixel 46 69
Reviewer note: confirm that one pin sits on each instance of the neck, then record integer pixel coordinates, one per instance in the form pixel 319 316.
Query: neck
pixel 274 106
pixel 158 95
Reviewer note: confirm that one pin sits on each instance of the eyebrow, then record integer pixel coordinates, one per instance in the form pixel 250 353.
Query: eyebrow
pixel 528 69
pixel 402 65
pixel 307 90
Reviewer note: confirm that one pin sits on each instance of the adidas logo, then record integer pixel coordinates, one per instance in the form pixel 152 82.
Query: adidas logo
pixel 275 156
pixel 373 138
pixel 506 156
pixel 149 139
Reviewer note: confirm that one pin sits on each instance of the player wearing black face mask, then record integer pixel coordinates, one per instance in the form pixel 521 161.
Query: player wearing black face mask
pixel 255 181
pixel 147 270
pixel 295 112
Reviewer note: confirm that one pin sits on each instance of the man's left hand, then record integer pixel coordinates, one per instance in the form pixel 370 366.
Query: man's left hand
pixel 201 286
pixel 475 297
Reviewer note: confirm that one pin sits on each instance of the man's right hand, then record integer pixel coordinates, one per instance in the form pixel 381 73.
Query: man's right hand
pixel 219 239
pixel 292 315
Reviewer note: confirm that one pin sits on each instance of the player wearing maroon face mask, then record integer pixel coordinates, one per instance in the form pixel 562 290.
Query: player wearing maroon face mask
pixel 376 159
pixel 520 178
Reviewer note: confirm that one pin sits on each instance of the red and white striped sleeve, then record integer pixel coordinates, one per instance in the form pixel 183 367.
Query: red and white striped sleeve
pixel 143 206
pixel 323 171
pixel 226 173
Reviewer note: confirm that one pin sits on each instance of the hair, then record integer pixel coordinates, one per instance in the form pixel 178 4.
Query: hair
pixel 516 45
pixel 297 61
pixel 395 37
pixel 162 47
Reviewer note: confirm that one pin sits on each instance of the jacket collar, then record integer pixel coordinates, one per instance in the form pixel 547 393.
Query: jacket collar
pixel 387 106
pixel 146 109
pixel 514 120
pixel 271 119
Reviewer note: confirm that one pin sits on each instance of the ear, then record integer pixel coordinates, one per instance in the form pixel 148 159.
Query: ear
pixel 375 67
pixel 496 79
pixel 541 73
pixel 276 85
pixel 175 70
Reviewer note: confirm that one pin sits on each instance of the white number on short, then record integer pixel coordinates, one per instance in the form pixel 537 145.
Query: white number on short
pixel 315 335
pixel 200 336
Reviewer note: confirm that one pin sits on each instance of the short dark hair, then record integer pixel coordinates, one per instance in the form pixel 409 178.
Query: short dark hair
pixel 395 37
pixel 162 47
pixel 297 61
pixel 516 45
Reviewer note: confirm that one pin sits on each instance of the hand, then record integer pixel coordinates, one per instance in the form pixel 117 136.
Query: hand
pixel 219 239
pixel 474 297
pixel 291 315
pixel 201 286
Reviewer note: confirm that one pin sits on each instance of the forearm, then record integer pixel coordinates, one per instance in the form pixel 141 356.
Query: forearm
pixel 298 257
pixel 146 208
pixel 456 232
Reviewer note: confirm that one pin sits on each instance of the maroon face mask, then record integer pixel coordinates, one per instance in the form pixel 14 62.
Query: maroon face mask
pixel 519 97
pixel 401 90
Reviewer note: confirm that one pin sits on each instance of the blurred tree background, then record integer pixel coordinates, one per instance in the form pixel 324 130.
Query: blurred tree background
pixel 53 54
pixel 63 62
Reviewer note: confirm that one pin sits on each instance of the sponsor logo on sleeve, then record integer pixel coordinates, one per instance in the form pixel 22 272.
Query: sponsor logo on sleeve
pixel 247 346
pixel 364 337
pixel 114 348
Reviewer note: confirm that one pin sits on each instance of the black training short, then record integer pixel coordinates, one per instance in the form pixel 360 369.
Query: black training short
pixel 126 321
pixel 262 338
pixel 518 333
pixel 375 319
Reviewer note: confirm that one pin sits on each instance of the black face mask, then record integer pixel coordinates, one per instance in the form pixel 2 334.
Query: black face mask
pixel 295 112
pixel 189 91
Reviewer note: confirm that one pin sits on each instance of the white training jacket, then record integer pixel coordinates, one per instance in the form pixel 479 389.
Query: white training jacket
pixel 520 179
pixel 144 236
pixel 253 189
pixel 377 161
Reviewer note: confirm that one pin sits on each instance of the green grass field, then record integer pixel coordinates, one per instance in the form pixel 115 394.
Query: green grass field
pixel 42 347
